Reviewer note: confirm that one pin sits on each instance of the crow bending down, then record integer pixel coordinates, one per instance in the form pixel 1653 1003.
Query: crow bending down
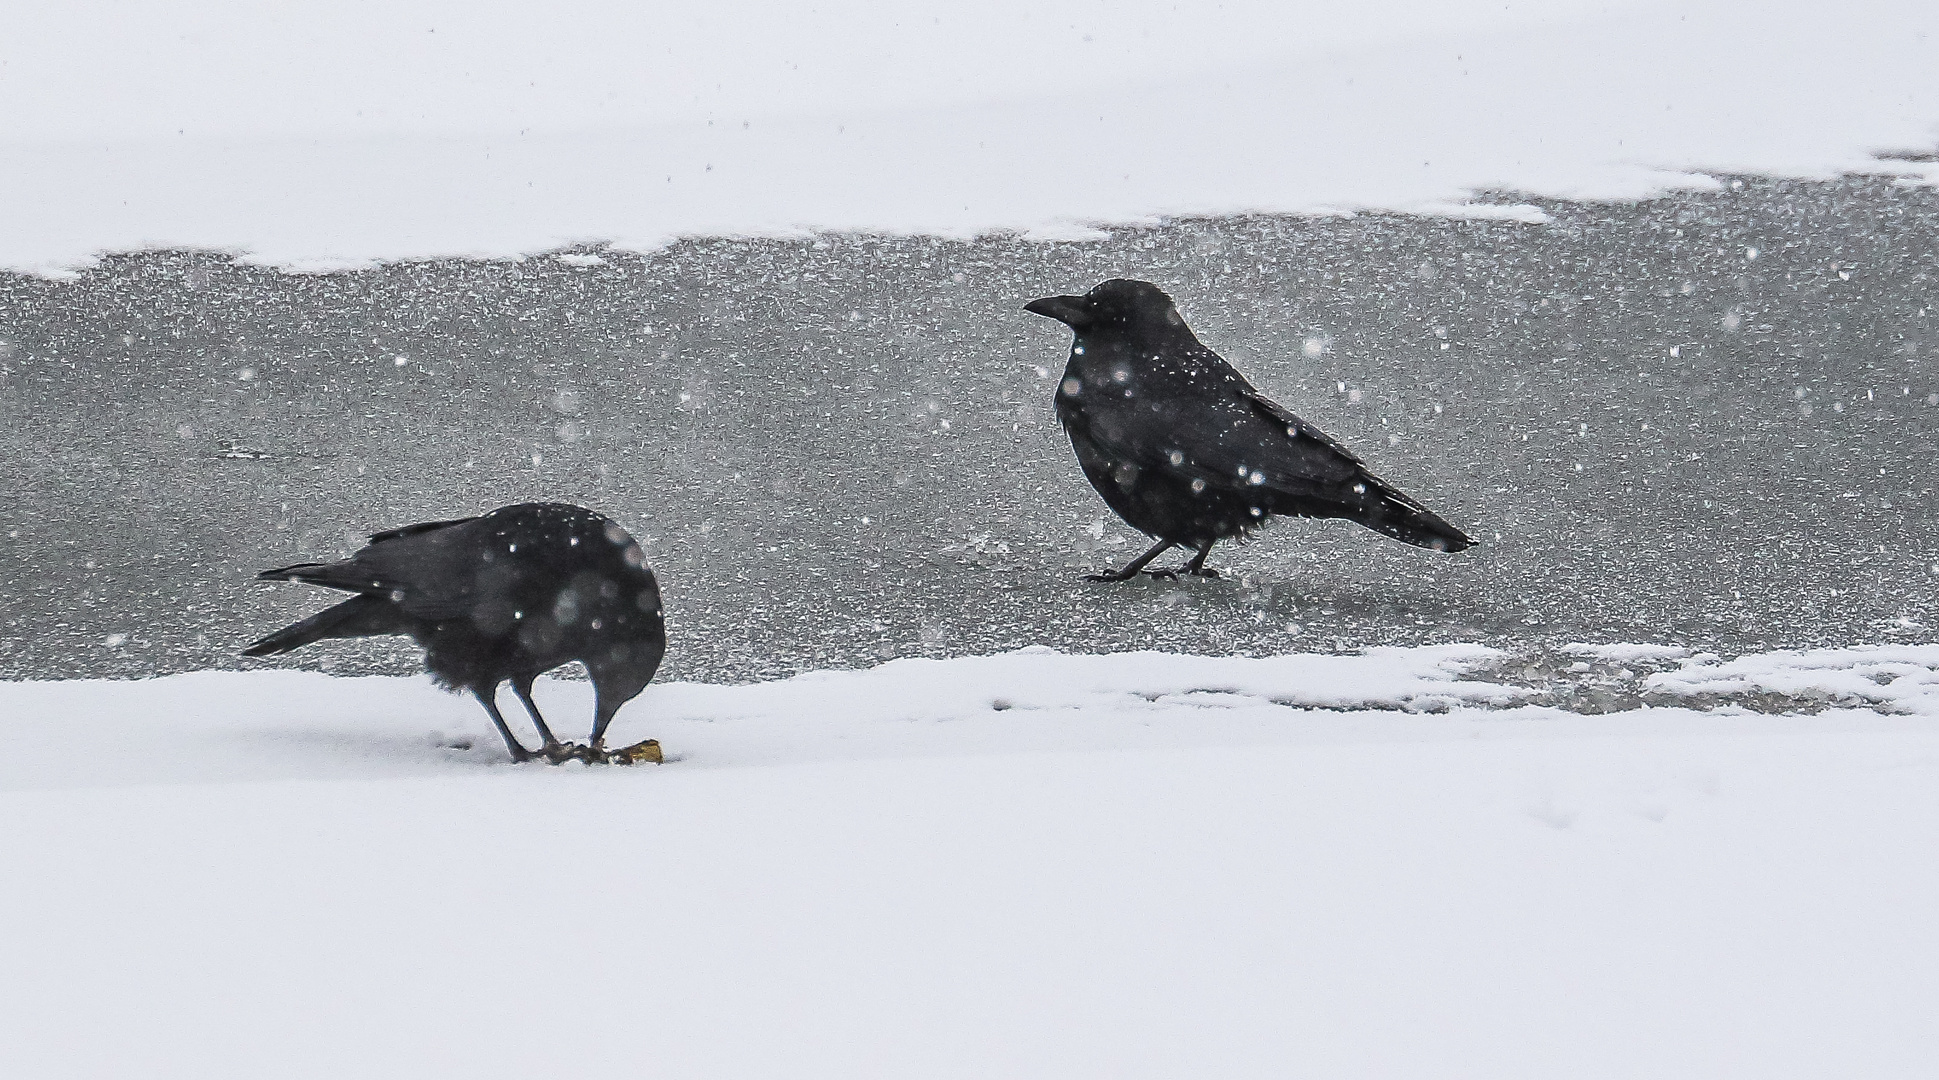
pixel 1186 450
pixel 506 596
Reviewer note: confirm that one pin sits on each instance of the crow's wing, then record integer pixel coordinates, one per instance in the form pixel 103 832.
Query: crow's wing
pixel 420 527
pixel 1297 430
pixel 1360 475
pixel 1234 441
pixel 434 570
pixel 1382 506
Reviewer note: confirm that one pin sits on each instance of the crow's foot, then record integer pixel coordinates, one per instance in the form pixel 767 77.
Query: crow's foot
pixel 1203 571
pixel 1167 575
pixel 560 753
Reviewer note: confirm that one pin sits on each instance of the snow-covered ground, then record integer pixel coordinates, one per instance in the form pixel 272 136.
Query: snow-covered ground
pixel 331 136
pixel 1028 864
pixel 1602 860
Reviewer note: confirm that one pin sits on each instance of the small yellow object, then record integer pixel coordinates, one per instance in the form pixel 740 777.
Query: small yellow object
pixel 648 751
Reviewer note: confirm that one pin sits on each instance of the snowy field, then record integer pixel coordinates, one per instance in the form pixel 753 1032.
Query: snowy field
pixel 1644 295
pixel 1032 864
pixel 323 136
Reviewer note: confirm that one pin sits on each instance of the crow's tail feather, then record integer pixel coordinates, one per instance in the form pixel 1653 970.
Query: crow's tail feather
pixel 359 616
pixel 1420 528
pixel 345 576
pixel 1385 510
pixel 289 573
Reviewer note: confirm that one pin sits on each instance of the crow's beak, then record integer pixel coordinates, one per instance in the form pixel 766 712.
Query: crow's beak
pixel 1072 311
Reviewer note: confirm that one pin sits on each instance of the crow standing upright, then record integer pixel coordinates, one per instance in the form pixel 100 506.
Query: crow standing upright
pixel 506 596
pixel 1187 451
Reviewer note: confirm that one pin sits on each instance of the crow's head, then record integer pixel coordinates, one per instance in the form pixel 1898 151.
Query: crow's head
pixel 1119 305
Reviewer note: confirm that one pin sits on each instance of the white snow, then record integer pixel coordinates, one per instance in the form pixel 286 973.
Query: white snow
pixel 1029 864
pixel 1626 651
pixel 1903 678
pixel 326 136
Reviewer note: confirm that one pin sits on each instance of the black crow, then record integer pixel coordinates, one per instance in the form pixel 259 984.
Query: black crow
pixel 506 596
pixel 1186 450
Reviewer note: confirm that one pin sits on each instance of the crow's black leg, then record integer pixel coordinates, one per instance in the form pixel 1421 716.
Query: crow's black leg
pixel 489 699
pixel 1131 568
pixel 522 686
pixel 1196 567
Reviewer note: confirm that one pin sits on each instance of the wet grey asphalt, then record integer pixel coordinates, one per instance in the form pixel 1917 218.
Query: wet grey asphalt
pixel 1709 419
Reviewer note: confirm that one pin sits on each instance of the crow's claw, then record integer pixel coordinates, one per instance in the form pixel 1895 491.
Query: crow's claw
pixel 1203 571
pixel 1167 575
pixel 560 753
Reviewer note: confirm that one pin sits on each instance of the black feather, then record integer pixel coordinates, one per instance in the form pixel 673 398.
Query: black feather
pixel 359 616
pixel 1186 450
pixel 506 596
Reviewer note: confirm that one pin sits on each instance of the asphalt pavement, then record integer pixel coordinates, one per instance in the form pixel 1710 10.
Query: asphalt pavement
pixel 1710 419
